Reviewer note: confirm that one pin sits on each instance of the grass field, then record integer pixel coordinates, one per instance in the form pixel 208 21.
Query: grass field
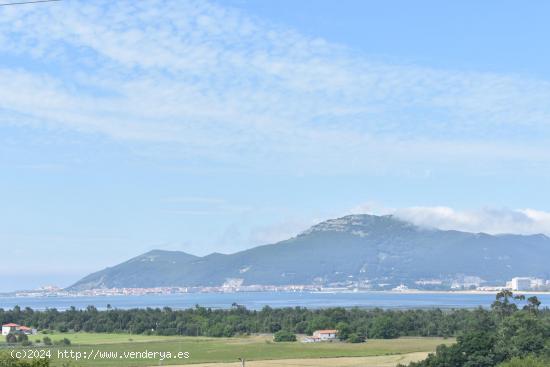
pixel 375 361
pixel 105 338
pixel 254 348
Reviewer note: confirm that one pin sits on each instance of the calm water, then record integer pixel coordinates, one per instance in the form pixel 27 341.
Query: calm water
pixel 256 300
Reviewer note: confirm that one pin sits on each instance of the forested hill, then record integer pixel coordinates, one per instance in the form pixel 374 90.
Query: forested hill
pixel 355 248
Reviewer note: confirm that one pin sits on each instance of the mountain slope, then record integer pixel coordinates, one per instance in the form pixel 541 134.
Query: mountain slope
pixel 141 271
pixel 380 249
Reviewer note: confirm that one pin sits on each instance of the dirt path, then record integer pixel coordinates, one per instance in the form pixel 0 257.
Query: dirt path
pixel 376 361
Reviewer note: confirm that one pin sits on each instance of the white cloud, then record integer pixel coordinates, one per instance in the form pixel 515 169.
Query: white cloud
pixel 212 82
pixel 487 220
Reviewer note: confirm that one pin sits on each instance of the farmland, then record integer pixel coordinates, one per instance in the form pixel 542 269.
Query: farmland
pixel 125 350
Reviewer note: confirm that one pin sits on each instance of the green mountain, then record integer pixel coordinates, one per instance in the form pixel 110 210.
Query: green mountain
pixel 356 249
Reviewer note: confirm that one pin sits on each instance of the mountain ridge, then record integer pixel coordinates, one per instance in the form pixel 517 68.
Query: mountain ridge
pixel 362 249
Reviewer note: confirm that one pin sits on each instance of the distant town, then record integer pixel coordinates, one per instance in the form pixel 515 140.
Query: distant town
pixel 467 283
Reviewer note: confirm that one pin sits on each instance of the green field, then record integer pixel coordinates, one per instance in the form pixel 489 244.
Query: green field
pixel 202 349
pixel 106 338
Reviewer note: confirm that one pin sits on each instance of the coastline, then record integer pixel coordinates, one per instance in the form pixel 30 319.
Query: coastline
pixel 419 291
pixel 408 291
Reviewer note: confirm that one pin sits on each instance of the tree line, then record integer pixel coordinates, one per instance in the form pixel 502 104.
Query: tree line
pixel 201 321
pixel 505 337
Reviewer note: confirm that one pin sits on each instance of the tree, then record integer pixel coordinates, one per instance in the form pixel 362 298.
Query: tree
pixel 502 305
pixel 11 338
pixel 344 330
pixel 521 338
pixel 478 349
pixel 532 305
pixel 284 336
pixel 383 328
pixel 519 335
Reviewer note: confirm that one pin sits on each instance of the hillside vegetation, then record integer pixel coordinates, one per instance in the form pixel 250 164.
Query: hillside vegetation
pixel 356 248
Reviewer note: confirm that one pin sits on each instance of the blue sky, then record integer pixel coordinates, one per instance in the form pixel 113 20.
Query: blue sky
pixel 217 126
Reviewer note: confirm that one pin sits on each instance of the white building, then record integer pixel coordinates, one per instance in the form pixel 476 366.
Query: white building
pixel 400 288
pixel 12 328
pixel 9 328
pixel 323 335
pixel 521 284
pixel 538 283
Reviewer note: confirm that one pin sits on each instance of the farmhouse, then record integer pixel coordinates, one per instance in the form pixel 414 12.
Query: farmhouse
pixel 12 328
pixel 325 334
pixel 9 328
pixel 322 335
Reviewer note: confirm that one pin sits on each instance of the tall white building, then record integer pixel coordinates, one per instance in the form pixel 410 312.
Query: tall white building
pixel 538 283
pixel 521 284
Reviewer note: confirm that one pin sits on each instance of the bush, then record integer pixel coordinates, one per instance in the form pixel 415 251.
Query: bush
pixel 355 338
pixel 63 341
pixel 11 338
pixel 26 343
pixel 524 362
pixel 284 336
pixel 22 338
pixel 47 341
pixel 62 328
pixel 8 361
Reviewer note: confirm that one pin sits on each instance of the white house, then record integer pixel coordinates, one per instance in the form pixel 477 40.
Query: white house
pixel 10 328
pixel 323 335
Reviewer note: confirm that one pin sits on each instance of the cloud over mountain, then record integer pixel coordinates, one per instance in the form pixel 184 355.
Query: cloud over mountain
pixel 486 220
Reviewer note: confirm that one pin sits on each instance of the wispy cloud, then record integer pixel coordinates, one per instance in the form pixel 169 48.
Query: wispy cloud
pixel 487 220
pixel 213 82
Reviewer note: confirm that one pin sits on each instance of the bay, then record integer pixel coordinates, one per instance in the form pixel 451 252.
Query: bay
pixel 257 300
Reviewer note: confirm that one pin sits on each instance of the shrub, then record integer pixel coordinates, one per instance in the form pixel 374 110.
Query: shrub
pixel 529 361
pixel 11 338
pixel 284 336
pixel 63 341
pixel 355 338
pixel 62 328
pixel 47 341
pixel 8 361
pixel 22 338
